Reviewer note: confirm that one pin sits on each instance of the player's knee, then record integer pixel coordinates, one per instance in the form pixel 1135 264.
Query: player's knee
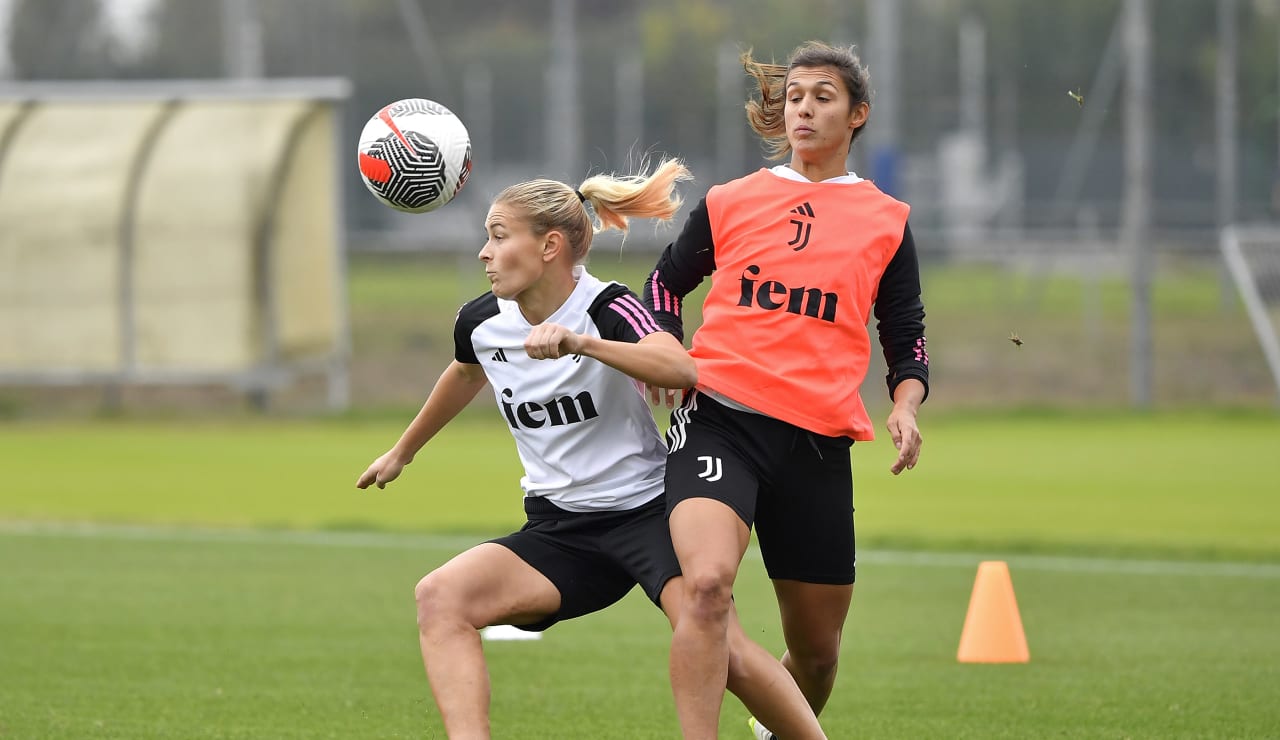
pixel 709 592
pixel 435 599
pixel 816 659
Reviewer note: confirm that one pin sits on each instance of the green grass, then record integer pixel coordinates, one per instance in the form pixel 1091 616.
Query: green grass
pixel 259 473
pixel 1179 290
pixel 1163 485
pixel 173 633
pixel 172 579
pixel 179 578
pixel 1191 484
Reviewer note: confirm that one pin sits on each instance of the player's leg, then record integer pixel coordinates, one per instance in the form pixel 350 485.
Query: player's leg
pixel 643 548
pixel 813 616
pixel 709 540
pixel 756 677
pixel 805 527
pixel 488 584
pixel 768 690
pixel 711 485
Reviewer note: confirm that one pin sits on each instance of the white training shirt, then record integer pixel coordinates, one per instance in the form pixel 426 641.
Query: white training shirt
pixel 584 431
pixel 785 172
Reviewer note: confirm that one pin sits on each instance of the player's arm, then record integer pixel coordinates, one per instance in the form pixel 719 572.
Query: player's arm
pixel 457 386
pixel 902 424
pixel 900 313
pixel 630 341
pixel 681 268
pixel 657 359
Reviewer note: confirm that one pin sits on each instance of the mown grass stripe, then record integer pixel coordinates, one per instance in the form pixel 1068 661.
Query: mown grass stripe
pixel 401 540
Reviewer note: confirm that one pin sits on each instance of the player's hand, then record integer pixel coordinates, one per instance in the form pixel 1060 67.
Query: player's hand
pixel 552 341
pixel 663 396
pixel 906 438
pixel 383 470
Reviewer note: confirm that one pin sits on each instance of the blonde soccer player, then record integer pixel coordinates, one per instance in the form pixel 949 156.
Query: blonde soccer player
pixel 565 355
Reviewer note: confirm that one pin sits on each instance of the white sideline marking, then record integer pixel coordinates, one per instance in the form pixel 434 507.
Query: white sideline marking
pixel 167 533
pixel 399 541
pixel 1076 564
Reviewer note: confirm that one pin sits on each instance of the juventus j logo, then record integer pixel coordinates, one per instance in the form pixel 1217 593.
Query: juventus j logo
pixel 801 239
pixel 712 473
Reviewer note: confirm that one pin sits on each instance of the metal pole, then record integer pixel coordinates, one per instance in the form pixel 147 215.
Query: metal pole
pixel 128 298
pixel 1255 306
pixel 6 16
pixel 884 21
pixel 563 133
pixel 1225 120
pixel 731 122
pixel 241 40
pixel 477 106
pixel 1137 195
pixel 1101 93
pixel 338 391
pixel 973 77
pixel 628 126
pixel 424 47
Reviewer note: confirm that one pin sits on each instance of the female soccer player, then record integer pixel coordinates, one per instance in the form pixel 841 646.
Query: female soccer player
pixel 560 349
pixel 798 255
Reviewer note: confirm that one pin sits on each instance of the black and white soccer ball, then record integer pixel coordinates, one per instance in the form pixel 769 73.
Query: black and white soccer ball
pixel 415 155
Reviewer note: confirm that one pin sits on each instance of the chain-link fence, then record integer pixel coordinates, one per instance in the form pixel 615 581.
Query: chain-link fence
pixel 1043 148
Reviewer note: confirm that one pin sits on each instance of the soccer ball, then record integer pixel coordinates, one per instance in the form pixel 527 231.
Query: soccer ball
pixel 415 155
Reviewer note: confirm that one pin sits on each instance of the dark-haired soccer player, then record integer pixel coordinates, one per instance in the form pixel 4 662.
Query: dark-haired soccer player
pixel 798 256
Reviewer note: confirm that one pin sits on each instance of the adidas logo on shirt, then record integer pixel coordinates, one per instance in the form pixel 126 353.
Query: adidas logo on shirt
pixel 501 356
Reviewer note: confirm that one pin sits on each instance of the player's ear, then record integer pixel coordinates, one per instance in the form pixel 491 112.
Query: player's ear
pixel 553 244
pixel 859 115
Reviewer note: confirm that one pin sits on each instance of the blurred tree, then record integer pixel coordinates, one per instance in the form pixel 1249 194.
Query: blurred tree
pixel 1035 54
pixel 186 41
pixel 1259 93
pixel 59 40
pixel 681 39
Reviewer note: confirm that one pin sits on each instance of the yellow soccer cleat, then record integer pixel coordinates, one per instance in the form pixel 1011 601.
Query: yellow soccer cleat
pixel 759 730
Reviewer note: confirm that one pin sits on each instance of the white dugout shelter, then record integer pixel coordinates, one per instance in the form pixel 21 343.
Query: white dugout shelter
pixel 172 233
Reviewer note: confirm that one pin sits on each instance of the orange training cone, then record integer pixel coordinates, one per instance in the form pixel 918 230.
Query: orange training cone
pixel 993 628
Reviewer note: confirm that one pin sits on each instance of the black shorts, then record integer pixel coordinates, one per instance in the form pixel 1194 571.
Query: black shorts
pixel 794 486
pixel 595 558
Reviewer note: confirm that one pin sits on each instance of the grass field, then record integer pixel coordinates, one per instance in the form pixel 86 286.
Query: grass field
pixel 1162 485
pixel 178 579
pixel 123 633
pixel 217 575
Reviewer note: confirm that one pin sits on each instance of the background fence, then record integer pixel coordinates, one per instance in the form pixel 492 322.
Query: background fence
pixel 1070 168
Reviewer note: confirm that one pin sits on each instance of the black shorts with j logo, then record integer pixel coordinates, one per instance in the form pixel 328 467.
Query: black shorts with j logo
pixel 794 486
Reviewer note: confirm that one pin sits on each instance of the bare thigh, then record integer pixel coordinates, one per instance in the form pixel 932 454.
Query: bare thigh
pixel 490 584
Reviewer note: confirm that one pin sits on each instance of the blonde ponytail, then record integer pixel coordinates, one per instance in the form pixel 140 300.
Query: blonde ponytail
pixel 551 205
pixel 615 198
